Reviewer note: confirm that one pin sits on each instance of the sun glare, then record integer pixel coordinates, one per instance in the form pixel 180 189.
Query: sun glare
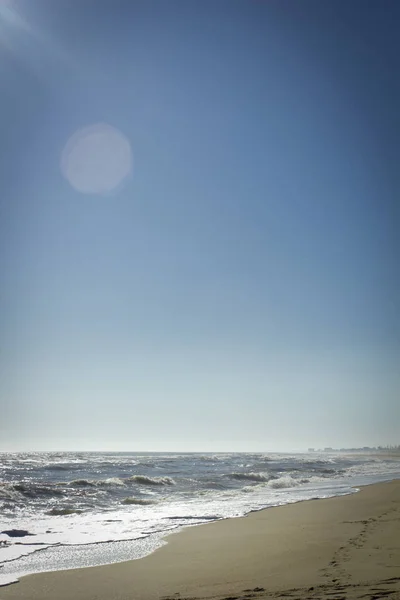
pixel 12 26
pixel 11 17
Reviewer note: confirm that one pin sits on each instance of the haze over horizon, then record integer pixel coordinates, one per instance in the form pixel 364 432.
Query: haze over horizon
pixel 199 225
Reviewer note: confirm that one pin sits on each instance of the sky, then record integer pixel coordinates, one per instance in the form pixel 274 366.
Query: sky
pixel 199 224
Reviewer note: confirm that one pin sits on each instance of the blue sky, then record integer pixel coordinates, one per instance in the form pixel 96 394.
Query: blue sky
pixel 240 289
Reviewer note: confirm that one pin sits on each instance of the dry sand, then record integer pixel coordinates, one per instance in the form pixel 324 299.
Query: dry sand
pixel 339 548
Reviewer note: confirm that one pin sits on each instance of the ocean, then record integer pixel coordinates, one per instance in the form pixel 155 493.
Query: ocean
pixel 77 509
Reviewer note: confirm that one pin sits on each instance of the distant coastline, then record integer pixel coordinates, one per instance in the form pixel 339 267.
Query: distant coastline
pixel 365 449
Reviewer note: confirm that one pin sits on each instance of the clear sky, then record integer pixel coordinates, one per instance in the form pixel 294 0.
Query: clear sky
pixel 219 270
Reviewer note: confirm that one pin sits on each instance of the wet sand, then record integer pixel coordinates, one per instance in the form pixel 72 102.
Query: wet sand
pixel 339 548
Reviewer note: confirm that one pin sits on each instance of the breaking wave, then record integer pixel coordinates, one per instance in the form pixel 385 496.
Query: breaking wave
pixel 111 481
pixel 285 482
pixel 8 493
pixel 249 476
pixel 34 491
pixel 144 480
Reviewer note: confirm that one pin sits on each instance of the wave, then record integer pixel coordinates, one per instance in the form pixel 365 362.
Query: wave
pixel 195 518
pixel 144 480
pixel 62 467
pixel 211 458
pixel 20 492
pixel 285 482
pixel 81 483
pixel 138 501
pixel 149 465
pixel 64 511
pixel 111 481
pixel 35 491
pixel 249 476
pixel 214 485
pixel 248 489
pixel 7 493
pixel 304 462
pixel 329 471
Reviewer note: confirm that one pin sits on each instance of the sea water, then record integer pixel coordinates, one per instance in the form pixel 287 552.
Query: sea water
pixel 75 509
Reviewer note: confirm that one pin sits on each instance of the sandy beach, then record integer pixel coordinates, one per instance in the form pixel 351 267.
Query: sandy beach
pixel 337 548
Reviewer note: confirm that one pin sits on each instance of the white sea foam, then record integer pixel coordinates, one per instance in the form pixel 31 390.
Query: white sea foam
pixel 285 482
pixel 111 481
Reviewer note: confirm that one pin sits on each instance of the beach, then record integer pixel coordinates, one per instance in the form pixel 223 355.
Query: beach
pixel 341 547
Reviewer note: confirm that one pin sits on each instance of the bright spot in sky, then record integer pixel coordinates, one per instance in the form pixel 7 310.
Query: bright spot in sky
pixel 96 159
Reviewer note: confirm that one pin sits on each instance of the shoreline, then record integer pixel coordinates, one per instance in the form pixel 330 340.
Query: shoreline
pixel 157 540
pixel 302 545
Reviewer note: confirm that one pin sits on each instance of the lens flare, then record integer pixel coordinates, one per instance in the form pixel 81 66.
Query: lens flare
pixel 96 159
